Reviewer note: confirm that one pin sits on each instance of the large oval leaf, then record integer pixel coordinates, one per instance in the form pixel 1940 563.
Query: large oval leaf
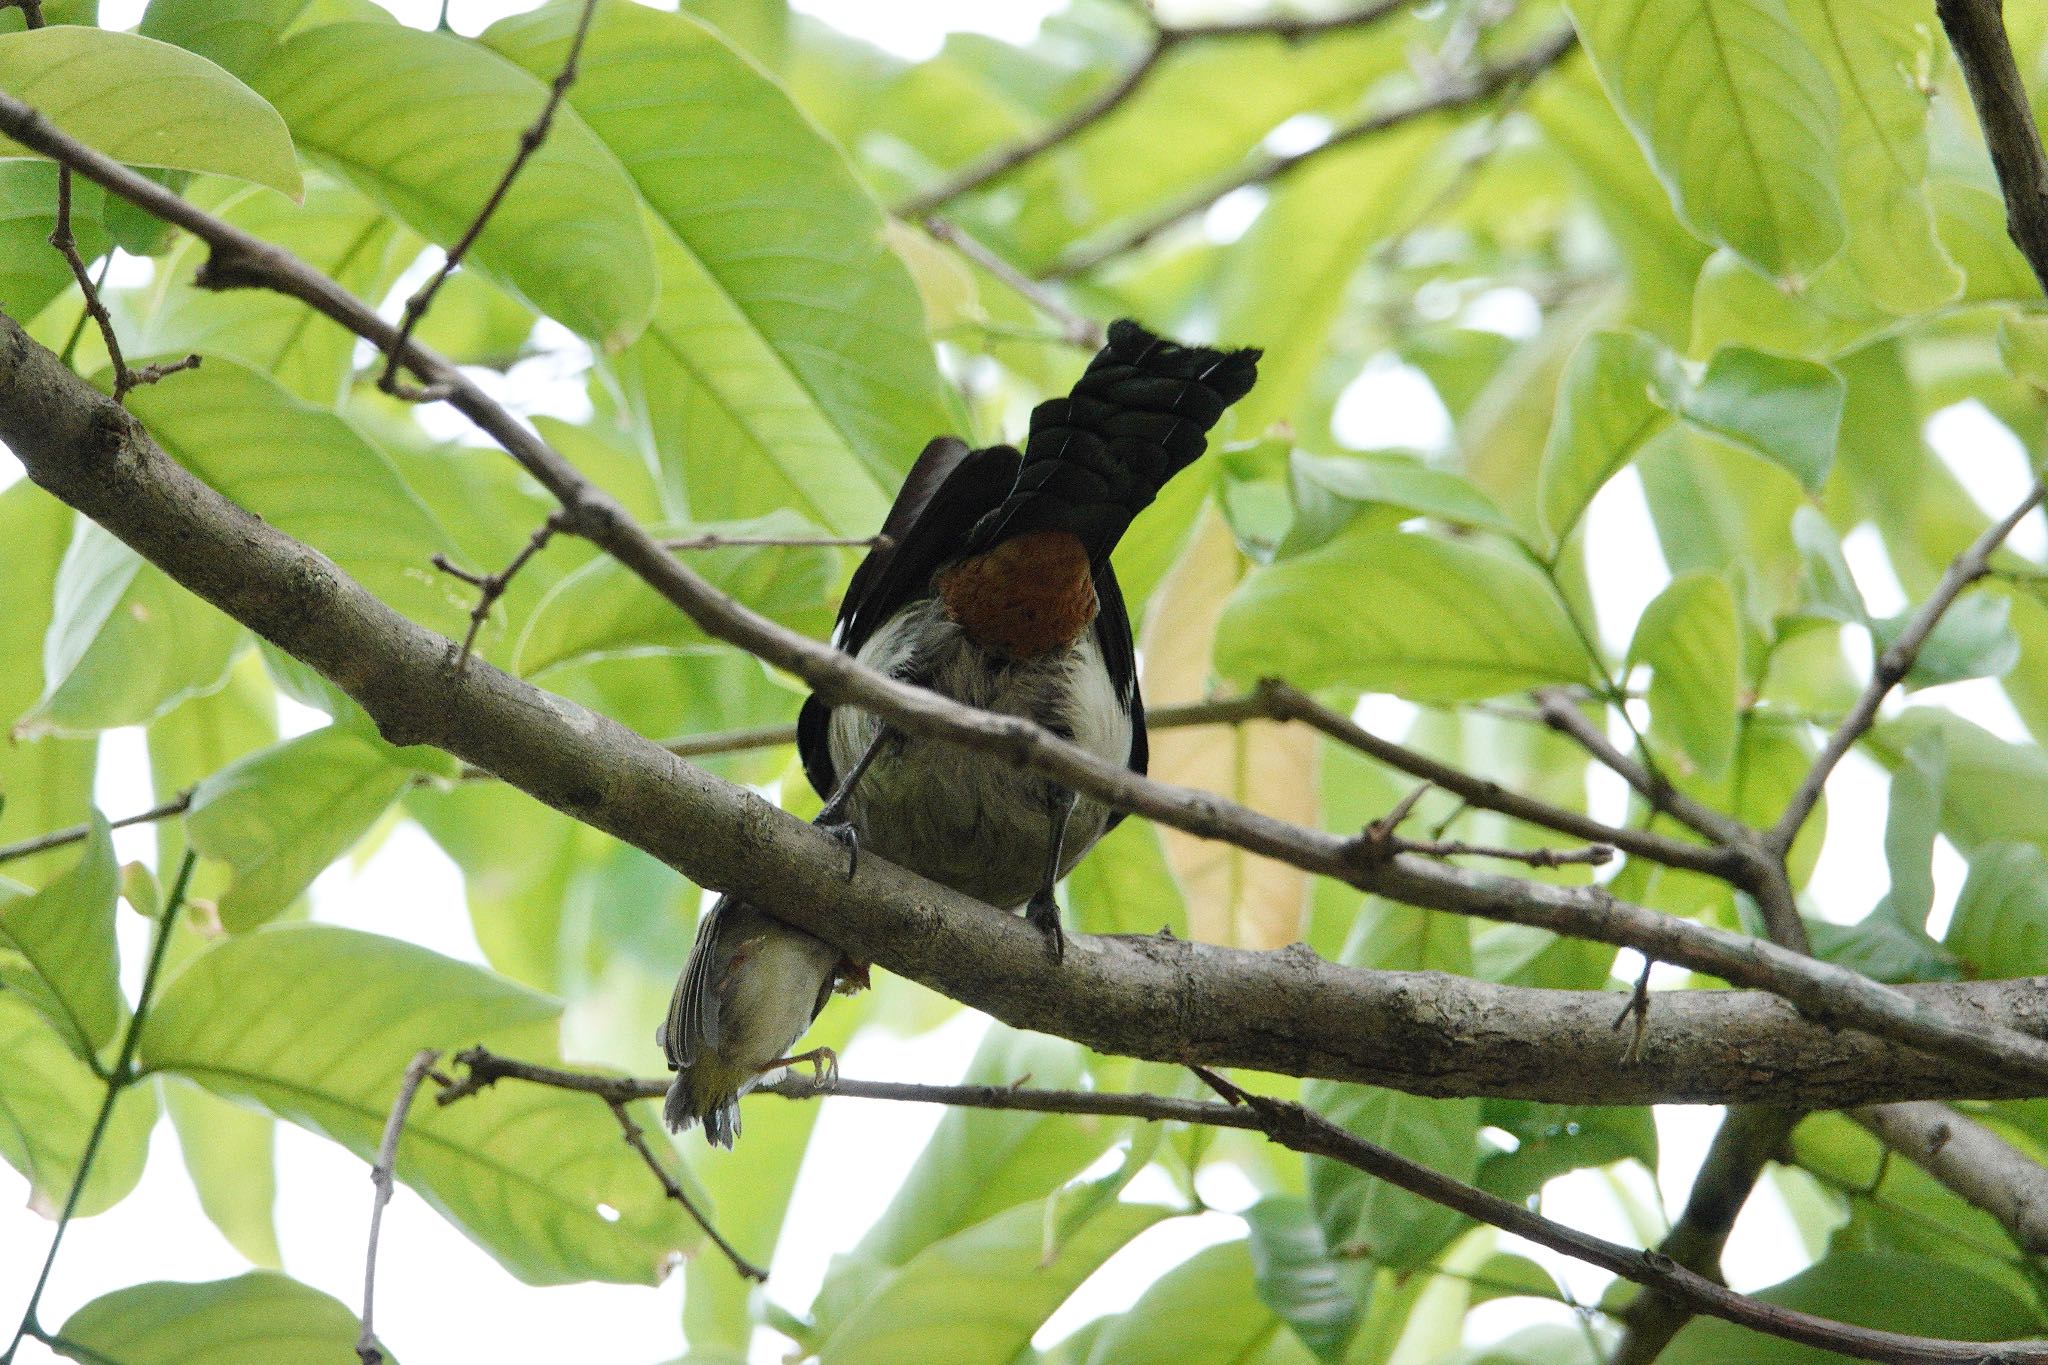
pixel 1736 114
pixel 325 1022
pixel 45 784
pixel 49 1100
pixel 57 948
pixel 788 365
pixel 255 1319
pixel 146 103
pixel 1688 636
pixel 430 137
pixel 1431 620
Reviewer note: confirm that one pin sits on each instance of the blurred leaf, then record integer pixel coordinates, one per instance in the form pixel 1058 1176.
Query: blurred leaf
pixel 46 783
pixel 1898 1293
pixel 1973 639
pixel 1424 618
pixel 2023 346
pixel 1124 886
pixel 254 1319
pixel 1319 1297
pixel 1735 113
pixel 48 1103
pixel 57 948
pixel 787 365
pixel 1688 637
pixel 1232 896
pixel 230 1154
pixel 1611 401
pixel 2000 927
pixel 125 644
pixel 31 271
pixel 338 493
pixel 281 815
pixel 1827 587
pixel 1507 1275
pixel 982 1292
pixel 1788 411
pixel 1555 1138
pixel 1205 1311
pixel 568 237
pixel 604 608
pixel 1397 480
pixel 328 1020
pixel 1984 774
pixel 146 103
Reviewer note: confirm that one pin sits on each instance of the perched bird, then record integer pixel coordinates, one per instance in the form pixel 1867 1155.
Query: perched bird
pixel 991 585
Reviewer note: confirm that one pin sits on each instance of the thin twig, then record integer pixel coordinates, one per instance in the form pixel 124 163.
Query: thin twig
pixel 1637 1008
pixel 1075 329
pixel 120 1078
pixel 529 142
pixel 712 540
pixel 1593 855
pixel 1560 711
pixel 670 1186
pixel 382 1178
pixel 491 587
pixel 1456 93
pixel 1301 1129
pixel 177 805
pixel 1895 663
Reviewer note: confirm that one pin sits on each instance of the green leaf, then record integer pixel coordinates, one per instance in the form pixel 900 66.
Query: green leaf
pixel 326 1021
pixel 1319 1297
pixel 982 1292
pixel 605 609
pixel 788 364
pixel 125 644
pixel 1788 411
pixel 568 237
pixel 336 230
pixel 1921 1295
pixel 1555 1138
pixel 230 1154
pixel 1428 619
pixel 146 103
pixel 1689 638
pixel 1124 886
pixel 1506 1275
pixel 1737 116
pixel 46 783
pixel 2000 928
pixel 1398 480
pixel 1205 1311
pixel 62 940
pixel 1827 588
pixel 1877 53
pixel 1609 404
pixel 31 271
pixel 281 815
pixel 1973 639
pixel 337 492
pixel 2023 346
pixel 49 1101
pixel 260 1318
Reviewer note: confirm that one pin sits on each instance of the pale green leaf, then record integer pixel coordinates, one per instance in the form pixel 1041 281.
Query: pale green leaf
pixel 1973 639
pixel 1425 618
pixel 568 237
pixel 2023 346
pixel 2000 928
pixel 1314 1293
pixel 1688 636
pixel 1788 411
pixel 1397 480
pixel 230 1154
pixel 281 815
pixel 1611 402
pixel 788 364
pixel 326 1021
pixel 261 1318
pixel 45 783
pixel 147 103
pixel 49 1100
pixel 62 938
pixel 31 271
pixel 1736 114
pixel 1205 1311
pixel 125 643
pixel 1828 589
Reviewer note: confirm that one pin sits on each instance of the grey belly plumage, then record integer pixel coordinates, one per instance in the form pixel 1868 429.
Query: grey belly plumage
pixel 972 820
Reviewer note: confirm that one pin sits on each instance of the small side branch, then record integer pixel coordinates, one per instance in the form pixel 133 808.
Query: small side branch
pixel 1976 29
pixel 712 540
pixel 1075 329
pixel 670 1186
pixel 72 834
pixel 529 142
pixel 491 587
pixel 382 1178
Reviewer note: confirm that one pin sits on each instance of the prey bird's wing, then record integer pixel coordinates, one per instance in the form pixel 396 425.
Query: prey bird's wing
pixel 949 489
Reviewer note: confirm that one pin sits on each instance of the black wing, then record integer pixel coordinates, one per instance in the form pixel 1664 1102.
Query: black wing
pixel 948 490
pixel 1119 656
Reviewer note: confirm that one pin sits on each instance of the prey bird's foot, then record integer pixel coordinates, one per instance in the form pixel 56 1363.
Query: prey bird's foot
pixel 824 1065
pixel 847 837
pixel 1044 914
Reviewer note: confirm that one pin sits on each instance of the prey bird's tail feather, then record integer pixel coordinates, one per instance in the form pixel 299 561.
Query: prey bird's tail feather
pixel 1140 414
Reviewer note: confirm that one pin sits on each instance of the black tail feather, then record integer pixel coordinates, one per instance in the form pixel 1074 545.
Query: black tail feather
pixel 1140 414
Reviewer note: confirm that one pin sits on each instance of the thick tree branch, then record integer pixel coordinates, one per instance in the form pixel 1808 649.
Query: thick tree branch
pixel 1286 1011
pixel 1301 1129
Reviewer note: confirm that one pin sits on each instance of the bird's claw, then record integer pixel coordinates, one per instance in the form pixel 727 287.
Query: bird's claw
pixel 824 1065
pixel 847 837
pixel 1043 912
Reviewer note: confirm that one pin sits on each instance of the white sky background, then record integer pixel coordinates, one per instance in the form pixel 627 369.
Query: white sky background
pixel 442 1300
